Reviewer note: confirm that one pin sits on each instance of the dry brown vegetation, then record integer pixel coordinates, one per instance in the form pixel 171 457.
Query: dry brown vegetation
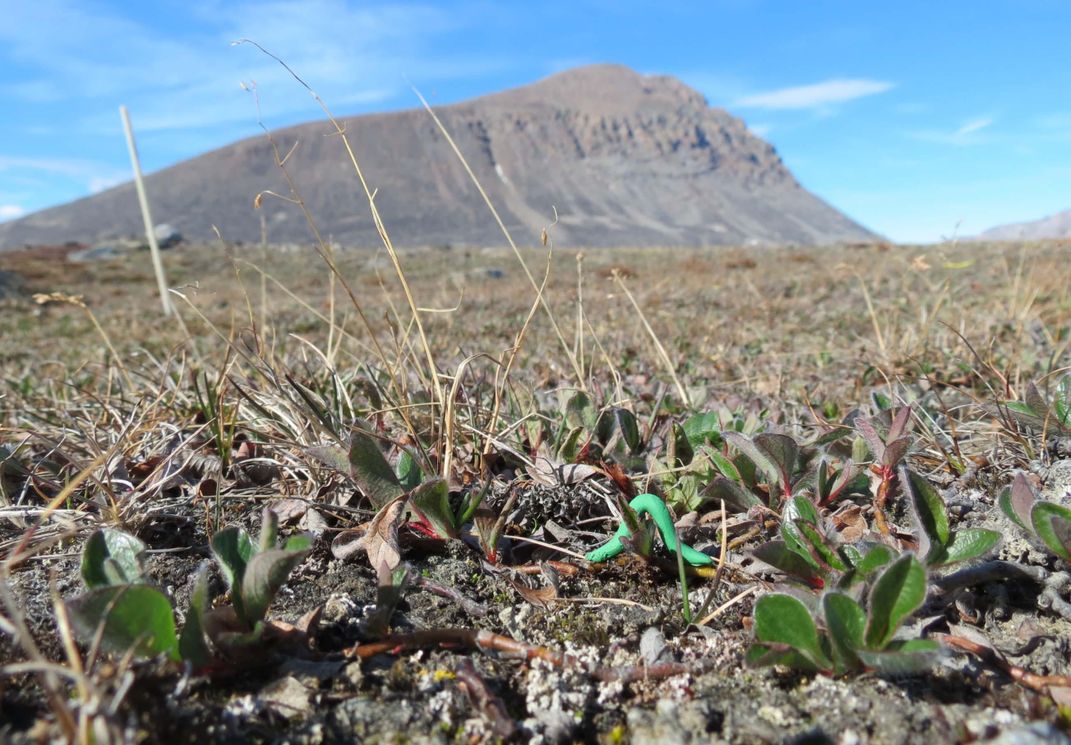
pixel 111 414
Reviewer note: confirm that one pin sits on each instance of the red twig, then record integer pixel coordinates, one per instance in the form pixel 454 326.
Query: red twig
pixel 483 698
pixel 475 639
pixel 888 476
pixel 1033 681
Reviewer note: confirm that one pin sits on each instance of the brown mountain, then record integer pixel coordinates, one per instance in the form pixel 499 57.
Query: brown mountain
pixel 626 159
pixel 1054 226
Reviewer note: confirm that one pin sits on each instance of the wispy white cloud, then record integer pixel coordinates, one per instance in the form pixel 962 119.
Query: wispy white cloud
pixel 815 95
pixel 971 132
pixel 11 211
pixel 90 174
pixel 353 55
pixel 974 125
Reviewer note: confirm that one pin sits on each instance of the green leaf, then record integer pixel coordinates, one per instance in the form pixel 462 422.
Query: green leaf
pixel 749 474
pixel 569 448
pixel 967 544
pixel 797 509
pixel 134 617
pixel 878 556
pixel 864 565
pixel 783 452
pixel 1062 400
pixel 703 429
pixel 233 550
pixel 192 643
pixel 736 497
pixel 112 557
pixel 629 518
pixel 881 401
pixel 684 495
pixel 846 622
pixel 821 548
pixel 725 466
pixel 897 593
pixel 266 573
pixel 831 435
pixel 1052 523
pixel 783 619
pixel 1018 407
pixel 298 542
pixel 754 453
pixel 801 508
pixel 331 456
pixel 870 434
pixel 823 485
pixel 851 555
pixel 896 450
pixel 269 530
pixel 370 469
pixel 928 506
pixel 408 470
pixel 765 655
pixel 902 658
pixel 778 555
pixel 628 427
pixel 432 501
pixel 848 480
pixel 1036 401
pixel 899 425
pixel 1024 415
pixel 1017 499
pixel 580 412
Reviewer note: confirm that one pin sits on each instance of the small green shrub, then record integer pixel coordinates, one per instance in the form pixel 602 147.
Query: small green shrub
pixel 129 614
pixel 1044 415
pixel 839 635
pixel 1047 521
pixel 429 501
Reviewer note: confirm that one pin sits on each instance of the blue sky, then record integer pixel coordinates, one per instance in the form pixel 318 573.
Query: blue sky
pixel 922 120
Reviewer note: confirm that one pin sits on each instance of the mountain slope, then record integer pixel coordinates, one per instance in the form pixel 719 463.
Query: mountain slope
pixel 625 159
pixel 1053 226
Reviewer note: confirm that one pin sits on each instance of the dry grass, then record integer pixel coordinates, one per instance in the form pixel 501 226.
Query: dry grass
pixel 136 430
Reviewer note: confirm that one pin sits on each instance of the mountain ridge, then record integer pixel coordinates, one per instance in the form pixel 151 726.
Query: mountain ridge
pixel 623 158
pixel 1056 225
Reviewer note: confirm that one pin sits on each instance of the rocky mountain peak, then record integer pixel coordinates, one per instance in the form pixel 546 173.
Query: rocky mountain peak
pixel 606 89
pixel 622 158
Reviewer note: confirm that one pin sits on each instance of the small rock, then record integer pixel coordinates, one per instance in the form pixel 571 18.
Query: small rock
pixel 287 696
pixel 653 646
pixel 339 608
pixel 1035 733
pixel 1057 482
pixel 166 236
pixel 311 672
pixel 354 674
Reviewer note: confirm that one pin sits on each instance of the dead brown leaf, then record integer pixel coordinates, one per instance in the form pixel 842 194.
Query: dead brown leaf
pixel 850 523
pixel 380 542
pixel 538 596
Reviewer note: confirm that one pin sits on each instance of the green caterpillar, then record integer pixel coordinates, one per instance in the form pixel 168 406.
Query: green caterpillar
pixel 649 504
